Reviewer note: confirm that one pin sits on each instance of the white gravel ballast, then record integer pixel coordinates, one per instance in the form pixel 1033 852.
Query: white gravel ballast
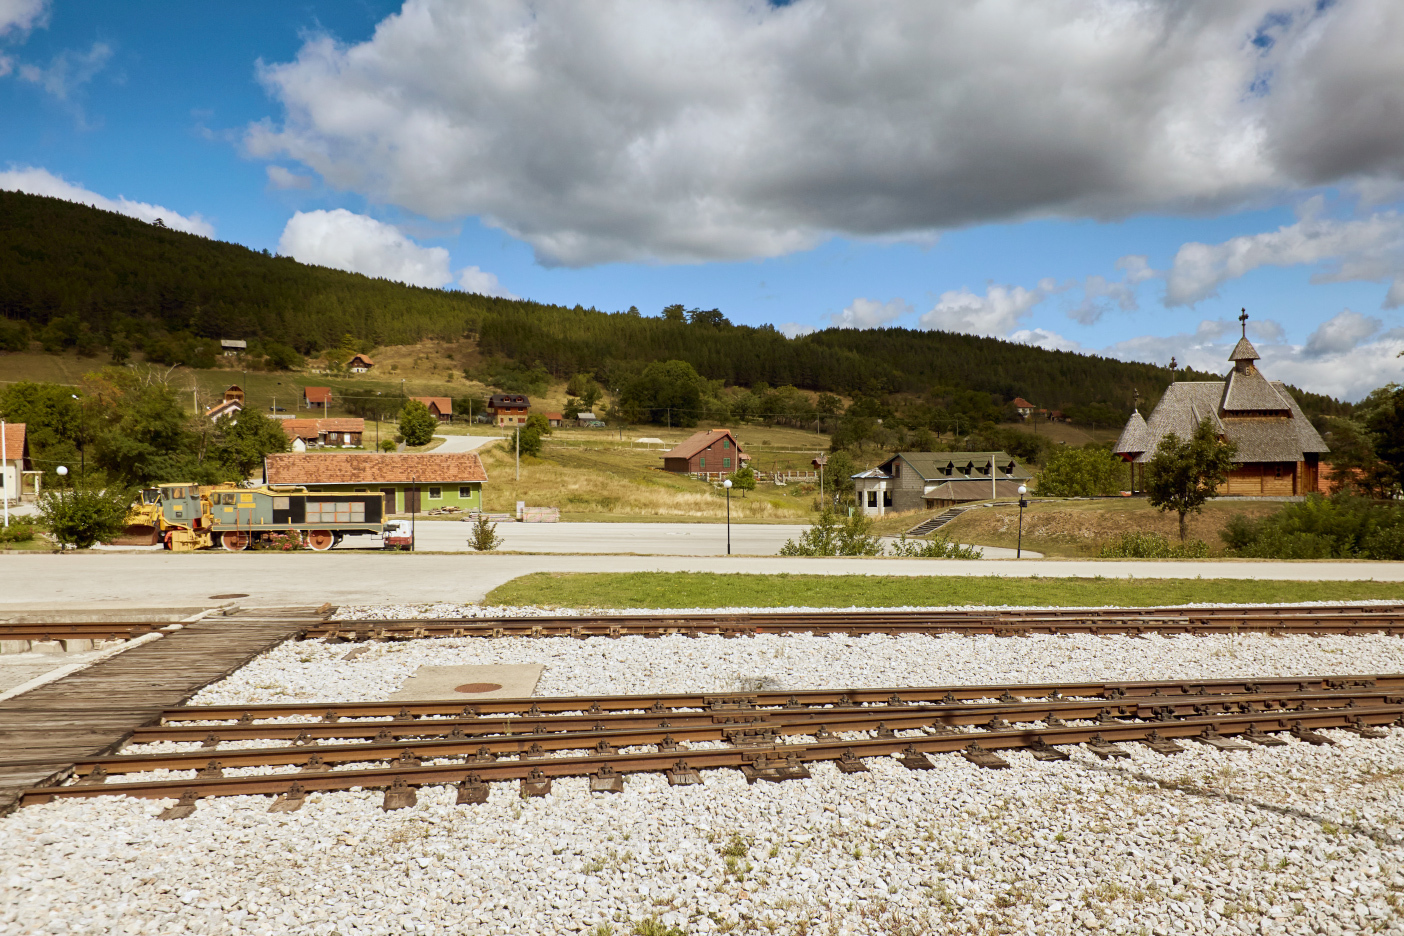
pixel 1296 839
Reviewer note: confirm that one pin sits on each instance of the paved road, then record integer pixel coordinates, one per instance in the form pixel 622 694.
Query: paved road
pixel 98 580
pixel 650 539
pixel 458 444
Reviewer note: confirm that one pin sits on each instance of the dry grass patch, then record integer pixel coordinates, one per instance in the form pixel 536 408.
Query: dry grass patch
pixel 621 483
pixel 1081 528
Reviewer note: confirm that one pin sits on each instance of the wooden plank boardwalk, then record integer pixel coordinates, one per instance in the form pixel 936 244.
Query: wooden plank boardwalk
pixel 92 711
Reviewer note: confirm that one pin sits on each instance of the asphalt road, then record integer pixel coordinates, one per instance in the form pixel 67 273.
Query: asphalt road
pixel 110 580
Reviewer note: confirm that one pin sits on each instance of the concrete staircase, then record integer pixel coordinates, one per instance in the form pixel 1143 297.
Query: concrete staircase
pixel 932 524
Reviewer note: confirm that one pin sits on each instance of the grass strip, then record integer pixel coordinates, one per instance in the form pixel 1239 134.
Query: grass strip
pixel 716 590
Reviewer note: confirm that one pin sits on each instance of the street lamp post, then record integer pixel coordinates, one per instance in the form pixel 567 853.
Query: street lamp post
pixel 414 511
pixel 1019 549
pixel 727 484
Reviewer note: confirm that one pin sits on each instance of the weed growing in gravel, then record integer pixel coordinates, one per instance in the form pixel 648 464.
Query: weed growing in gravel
pixel 652 926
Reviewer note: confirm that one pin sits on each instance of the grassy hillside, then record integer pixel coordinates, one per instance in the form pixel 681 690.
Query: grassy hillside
pixel 76 277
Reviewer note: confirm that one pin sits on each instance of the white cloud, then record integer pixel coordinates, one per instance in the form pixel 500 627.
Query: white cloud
pixel 868 313
pixel 723 129
pixel 1344 332
pixel 474 280
pixel 796 329
pixel 281 178
pixel 68 70
pixel 1043 338
pixel 1370 248
pixel 998 312
pixel 42 182
pixel 356 243
pixel 22 15
pixel 1098 292
pixel 1346 357
pixel 360 244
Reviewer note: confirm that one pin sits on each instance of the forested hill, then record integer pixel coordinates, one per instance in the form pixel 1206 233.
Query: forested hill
pixel 74 275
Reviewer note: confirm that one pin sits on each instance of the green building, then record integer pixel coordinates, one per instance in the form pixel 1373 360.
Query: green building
pixel 410 483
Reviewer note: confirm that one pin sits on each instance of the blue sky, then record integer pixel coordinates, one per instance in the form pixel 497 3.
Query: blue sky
pixel 1111 177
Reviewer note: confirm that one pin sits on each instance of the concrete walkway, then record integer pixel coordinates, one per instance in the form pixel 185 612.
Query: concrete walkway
pixel 82 581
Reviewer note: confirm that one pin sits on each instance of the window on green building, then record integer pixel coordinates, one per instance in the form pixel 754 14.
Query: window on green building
pixel 465 492
pixel 436 493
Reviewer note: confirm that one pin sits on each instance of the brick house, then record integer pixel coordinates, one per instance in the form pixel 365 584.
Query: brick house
pixel 937 480
pixel 440 406
pixel 509 409
pixel 410 483
pixel 713 451
pixel 345 432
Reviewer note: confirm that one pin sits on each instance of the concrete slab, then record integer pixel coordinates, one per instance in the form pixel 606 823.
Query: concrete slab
pixel 504 681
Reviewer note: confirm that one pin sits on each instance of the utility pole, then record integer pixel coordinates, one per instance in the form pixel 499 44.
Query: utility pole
pixel 519 453
pixel 5 472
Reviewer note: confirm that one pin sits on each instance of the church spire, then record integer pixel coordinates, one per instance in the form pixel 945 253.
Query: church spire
pixel 1244 354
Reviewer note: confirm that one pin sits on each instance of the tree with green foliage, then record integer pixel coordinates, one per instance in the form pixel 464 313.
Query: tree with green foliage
pixel 141 434
pixel 1091 471
pixel 243 441
pixel 743 479
pixel 572 409
pixel 1183 475
pixel 666 392
pixel 536 428
pixel 838 475
pixel 1342 526
pixel 79 518
pixel 417 424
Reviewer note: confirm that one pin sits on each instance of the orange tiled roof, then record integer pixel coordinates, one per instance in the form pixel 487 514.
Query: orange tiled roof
pixel 14 441
pixel 374 468
pixel 309 428
pixel 445 404
pixel 317 394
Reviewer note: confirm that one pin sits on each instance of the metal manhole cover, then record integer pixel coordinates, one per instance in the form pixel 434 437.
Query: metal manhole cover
pixel 478 687
pixel 223 597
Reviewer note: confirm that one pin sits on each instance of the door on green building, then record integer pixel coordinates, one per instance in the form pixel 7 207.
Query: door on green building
pixel 389 495
pixel 412 500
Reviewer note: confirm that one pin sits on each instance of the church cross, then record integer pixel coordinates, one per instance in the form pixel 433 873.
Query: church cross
pixel 1243 320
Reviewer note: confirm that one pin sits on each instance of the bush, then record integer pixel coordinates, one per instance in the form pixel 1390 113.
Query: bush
pixel 484 538
pixel 744 479
pixel 17 532
pixel 1152 546
pixel 388 445
pixel 14 336
pixel 83 518
pixel 834 536
pixel 938 547
pixel 1342 526
pixel 281 542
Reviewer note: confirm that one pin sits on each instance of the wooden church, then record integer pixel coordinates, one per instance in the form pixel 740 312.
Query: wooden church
pixel 1278 448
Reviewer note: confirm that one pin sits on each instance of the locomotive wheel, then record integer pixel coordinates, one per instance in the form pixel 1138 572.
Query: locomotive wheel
pixel 234 542
pixel 321 540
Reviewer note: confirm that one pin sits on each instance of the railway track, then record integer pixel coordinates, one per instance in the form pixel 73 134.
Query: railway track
pixel 768 736
pixel 1347 620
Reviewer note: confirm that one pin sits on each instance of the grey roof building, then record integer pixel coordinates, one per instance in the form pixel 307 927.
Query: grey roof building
pixel 1278 448
pixel 926 480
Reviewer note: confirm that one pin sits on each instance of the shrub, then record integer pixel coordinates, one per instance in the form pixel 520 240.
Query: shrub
pixel 281 542
pixel 17 532
pixel 388 445
pixel 484 538
pixel 83 518
pixel 1152 546
pixel 834 536
pixel 938 547
pixel 1342 526
pixel 744 479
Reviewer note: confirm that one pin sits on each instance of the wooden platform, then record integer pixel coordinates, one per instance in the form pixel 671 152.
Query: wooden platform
pixel 92 711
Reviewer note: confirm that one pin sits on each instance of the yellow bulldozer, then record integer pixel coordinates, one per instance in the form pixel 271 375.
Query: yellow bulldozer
pixel 176 515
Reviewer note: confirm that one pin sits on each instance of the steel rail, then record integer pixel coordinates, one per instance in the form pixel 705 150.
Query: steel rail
pixel 1210 729
pixel 447 738
pixel 724 701
pixel 1172 619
